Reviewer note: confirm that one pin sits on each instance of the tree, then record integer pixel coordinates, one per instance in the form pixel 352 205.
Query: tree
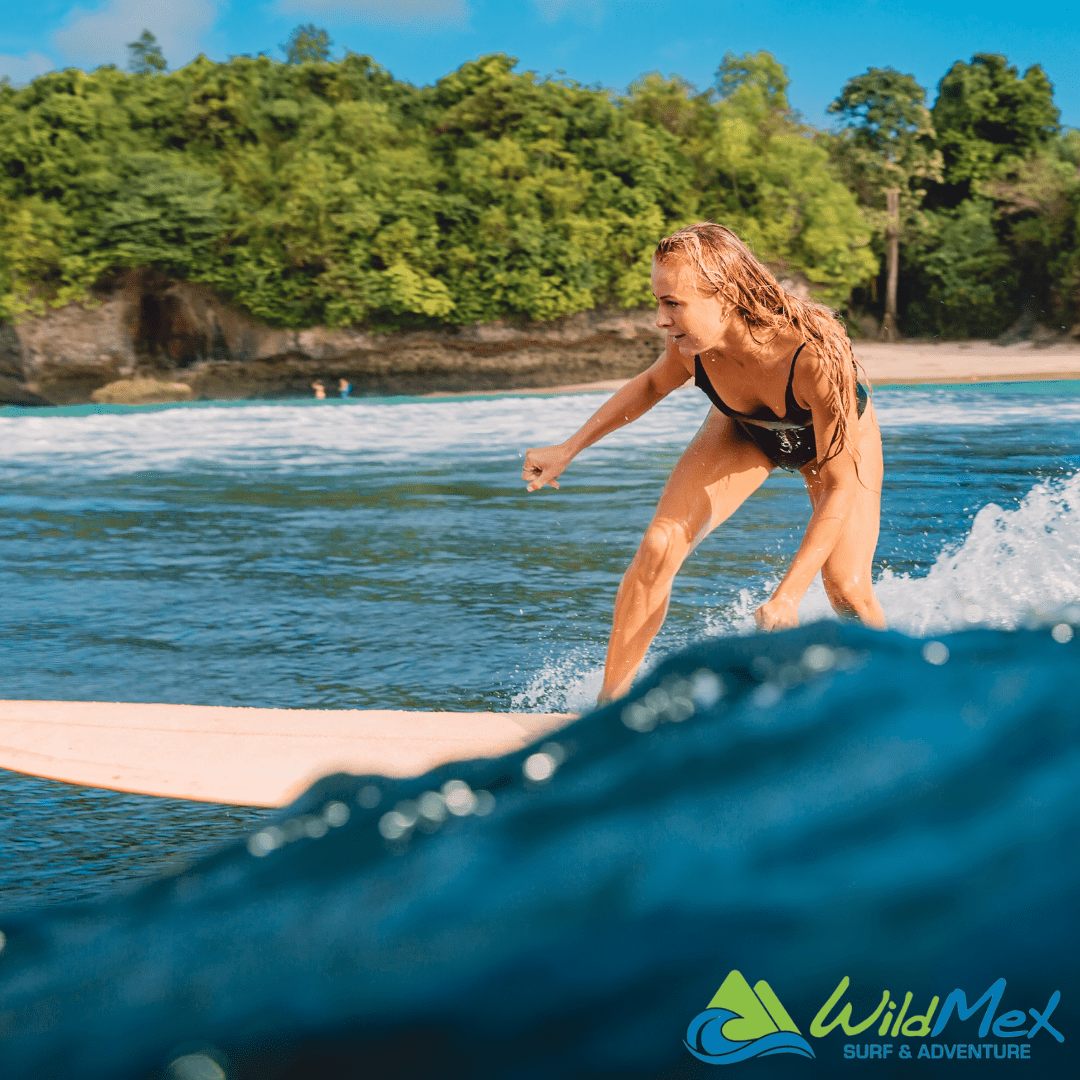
pixel 762 173
pixel 996 131
pixel 986 115
pixel 760 70
pixel 307 44
pixel 1035 202
pixel 960 277
pixel 887 150
pixel 144 55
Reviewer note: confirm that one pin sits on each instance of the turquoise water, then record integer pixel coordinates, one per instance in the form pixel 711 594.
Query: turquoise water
pixel 383 553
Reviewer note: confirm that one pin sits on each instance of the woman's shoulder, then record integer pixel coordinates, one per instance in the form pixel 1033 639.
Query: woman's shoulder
pixel 820 368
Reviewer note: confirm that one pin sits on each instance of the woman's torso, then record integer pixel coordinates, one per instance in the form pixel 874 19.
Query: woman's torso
pixel 772 418
pixel 754 378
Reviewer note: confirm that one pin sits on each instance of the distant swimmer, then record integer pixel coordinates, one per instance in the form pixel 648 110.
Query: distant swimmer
pixel 320 390
pixel 344 387
pixel 782 379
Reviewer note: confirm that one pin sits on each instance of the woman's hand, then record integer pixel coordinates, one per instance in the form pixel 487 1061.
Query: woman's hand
pixel 779 613
pixel 544 466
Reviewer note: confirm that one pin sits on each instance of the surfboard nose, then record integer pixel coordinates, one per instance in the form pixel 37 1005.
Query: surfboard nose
pixel 251 757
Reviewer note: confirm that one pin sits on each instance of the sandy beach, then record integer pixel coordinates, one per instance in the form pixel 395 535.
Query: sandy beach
pixel 967 361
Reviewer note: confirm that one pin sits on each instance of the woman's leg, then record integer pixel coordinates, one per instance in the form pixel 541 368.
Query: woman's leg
pixel 847 572
pixel 712 479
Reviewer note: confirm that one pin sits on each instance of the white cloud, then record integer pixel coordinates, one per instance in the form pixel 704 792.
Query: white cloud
pixel 21 69
pixel 100 36
pixel 382 12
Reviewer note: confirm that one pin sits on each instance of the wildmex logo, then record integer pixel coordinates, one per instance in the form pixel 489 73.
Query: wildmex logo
pixel 741 1023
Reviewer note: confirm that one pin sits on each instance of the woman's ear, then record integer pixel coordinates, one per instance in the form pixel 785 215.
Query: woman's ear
pixel 727 305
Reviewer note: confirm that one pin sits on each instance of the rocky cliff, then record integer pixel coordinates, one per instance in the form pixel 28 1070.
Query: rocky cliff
pixel 149 338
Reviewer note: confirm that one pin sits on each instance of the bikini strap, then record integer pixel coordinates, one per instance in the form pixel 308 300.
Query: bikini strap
pixel 703 382
pixel 793 408
pixel 791 374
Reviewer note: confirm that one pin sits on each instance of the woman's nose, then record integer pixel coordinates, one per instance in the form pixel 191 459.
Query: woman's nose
pixel 663 319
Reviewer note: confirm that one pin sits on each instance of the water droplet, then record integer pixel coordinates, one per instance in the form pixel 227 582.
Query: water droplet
pixel 818 658
pixel 936 653
pixel 762 667
pixel 639 717
pixel 656 699
pixel 335 814
pixel 369 796
pixel 972 612
pixel 766 695
pixel 539 767
pixel 393 825
pixel 265 841
pixel 194 1067
pixel 706 688
pixel 315 827
pixel 555 751
pixel 460 800
pixel 432 807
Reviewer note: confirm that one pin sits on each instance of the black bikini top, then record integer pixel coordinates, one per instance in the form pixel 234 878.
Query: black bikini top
pixel 795 415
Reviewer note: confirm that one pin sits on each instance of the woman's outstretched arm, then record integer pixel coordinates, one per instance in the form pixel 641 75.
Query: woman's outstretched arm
pixel 544 465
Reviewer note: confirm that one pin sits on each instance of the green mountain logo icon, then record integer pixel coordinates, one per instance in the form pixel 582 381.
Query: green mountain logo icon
pixel 757 1012
pixel 743 1022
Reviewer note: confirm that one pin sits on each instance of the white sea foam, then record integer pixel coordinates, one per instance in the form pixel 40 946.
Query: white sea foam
pixel 942 407
pixel 285 437
pixel 1012 567
pixel 568 683
pixel 280 437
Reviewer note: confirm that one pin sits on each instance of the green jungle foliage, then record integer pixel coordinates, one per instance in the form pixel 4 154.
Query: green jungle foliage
pixel 886 142
pixel 990 196
pixel 327 192
pixel 317 192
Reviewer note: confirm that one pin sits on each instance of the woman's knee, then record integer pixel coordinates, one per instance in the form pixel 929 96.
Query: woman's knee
pixel 663 549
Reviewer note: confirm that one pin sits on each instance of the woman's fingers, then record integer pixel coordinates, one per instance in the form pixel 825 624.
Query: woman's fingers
pixel 537 481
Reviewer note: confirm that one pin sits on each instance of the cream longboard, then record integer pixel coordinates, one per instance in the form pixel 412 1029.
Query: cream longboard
pixel 252 757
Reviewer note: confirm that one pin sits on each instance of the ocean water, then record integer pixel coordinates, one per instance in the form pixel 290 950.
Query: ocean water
pixel 855 818
pixel 384 553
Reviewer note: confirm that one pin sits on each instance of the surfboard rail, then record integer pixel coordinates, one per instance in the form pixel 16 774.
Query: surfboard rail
pixel 245 756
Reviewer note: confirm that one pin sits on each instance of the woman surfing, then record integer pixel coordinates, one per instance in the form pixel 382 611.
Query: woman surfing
pixel 781 378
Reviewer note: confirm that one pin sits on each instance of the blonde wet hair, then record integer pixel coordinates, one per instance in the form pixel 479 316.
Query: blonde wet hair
pixel 730 267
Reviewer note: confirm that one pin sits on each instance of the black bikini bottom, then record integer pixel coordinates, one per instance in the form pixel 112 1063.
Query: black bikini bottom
pixel 792 448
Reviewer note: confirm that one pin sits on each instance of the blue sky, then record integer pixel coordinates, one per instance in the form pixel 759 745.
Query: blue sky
pixel 609 42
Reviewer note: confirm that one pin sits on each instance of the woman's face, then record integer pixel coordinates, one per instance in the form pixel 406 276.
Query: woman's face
pixel 693 317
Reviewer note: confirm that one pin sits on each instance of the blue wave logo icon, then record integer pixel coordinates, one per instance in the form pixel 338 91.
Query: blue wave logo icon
pixel 742 1023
